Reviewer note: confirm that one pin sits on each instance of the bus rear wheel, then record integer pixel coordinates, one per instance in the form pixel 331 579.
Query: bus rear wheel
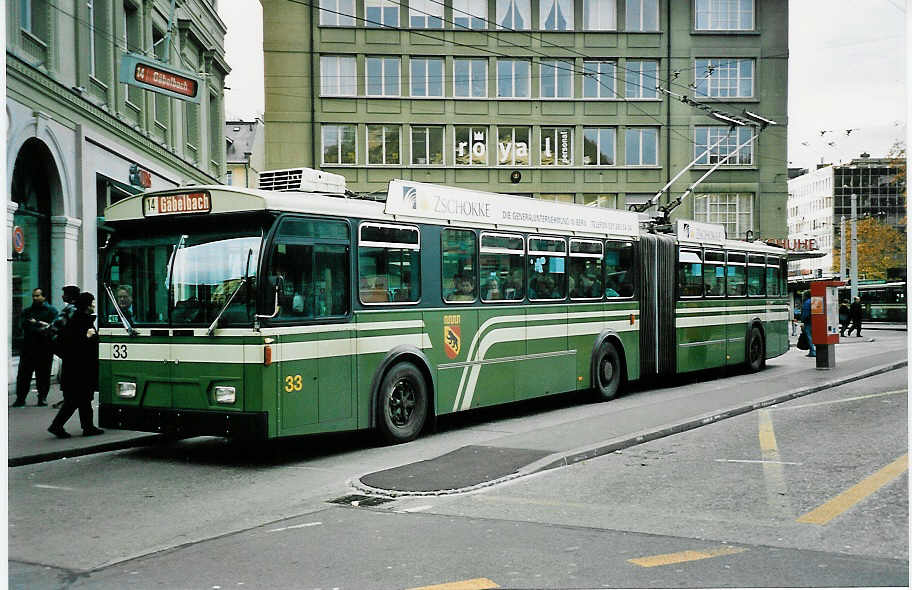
pixel 403 403
pixel 607 371
pixel 755 350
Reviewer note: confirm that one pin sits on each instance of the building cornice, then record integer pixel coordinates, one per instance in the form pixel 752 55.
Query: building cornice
pixel 16 68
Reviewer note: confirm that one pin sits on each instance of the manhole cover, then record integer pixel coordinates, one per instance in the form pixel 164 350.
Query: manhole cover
pixel 358 500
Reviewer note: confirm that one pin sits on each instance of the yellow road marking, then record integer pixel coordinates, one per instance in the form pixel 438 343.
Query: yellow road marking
pixel 855 494
pixel 682 556
pixel 767 436
pixel 777 497
pixel 475 584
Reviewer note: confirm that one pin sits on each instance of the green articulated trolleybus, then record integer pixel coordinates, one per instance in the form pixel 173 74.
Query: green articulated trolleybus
pixel 270 313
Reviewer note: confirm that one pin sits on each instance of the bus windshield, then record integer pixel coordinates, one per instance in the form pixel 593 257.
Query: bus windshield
pixel 183 279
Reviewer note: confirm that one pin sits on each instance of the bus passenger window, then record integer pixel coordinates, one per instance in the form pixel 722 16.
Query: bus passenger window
pixel 547 262
pixel 585 269
pixel 714 274
pixel 736 281
pixel 388 263
pixel 618 269
pixel 330 280
pixel 458 265
pixel 690 274
pixel 772 276
pixel 756 276
pixel 501 266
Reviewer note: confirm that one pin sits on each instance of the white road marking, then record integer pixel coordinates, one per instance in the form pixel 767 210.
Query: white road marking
pixel 839 401
pixel 417 508
pixel 296 526
pixel 47 487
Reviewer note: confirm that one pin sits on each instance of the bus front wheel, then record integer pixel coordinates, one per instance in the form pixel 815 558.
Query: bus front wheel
pixel 755 350
pixel 403 403
pixel 607 368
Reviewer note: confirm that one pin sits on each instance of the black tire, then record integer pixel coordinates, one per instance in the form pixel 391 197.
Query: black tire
pixel 606 372
pixel 755 358
pixel 402 403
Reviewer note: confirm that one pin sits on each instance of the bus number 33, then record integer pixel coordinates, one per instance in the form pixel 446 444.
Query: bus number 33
pixel 119 351
pixel 294 383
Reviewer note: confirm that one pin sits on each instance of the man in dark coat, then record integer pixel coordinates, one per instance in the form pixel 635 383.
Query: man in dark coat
pixel 79 379
pixel 70 294
pixel 855 316
pixel 36 355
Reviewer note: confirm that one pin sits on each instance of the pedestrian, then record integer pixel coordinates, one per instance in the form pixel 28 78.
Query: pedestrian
pixel 843 317
pixel 855 317
pixel 70 293
pixel 806 323
pixel 36 356
pixel 80 369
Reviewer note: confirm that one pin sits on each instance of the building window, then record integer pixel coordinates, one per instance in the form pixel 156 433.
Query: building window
pixel 337 13
pixel 383 144
pixel 471 146
pixel 381 13
pixel 513 146
pixel 642 78
pixel 642 146
pixel 426 76
pixel 604 201
pixel 92 23
pixel 724 15
pixel 598 146
pixel 339 144
pixel 724 78
pixel 599 15
pixel 556 79
pixel 338 76
pixel 216 129
pixel 555 15
pixel 33 16
pixel 513 78
pixel 470 14
pixel 704 137
pixel 642 15
pixel 427 146
pixel 733 210
pixel 191 117
pixel 514 14
pixel 470 78
pixel 383 76
pixel 598 79
pixel 229 177
pixel 133 43
pixel 556 146
pixel 425 14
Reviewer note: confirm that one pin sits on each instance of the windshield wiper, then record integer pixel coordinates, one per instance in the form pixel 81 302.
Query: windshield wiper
pixel 230 299
pixel 120 314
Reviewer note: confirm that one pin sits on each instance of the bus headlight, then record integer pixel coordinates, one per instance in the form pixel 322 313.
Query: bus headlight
pixel 224 394
pixel 126 389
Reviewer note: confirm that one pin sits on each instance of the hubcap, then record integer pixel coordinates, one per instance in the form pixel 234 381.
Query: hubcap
pixel 402 401
pixel 606 371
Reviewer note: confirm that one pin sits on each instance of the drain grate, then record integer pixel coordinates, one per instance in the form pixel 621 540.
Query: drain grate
pixel 359 500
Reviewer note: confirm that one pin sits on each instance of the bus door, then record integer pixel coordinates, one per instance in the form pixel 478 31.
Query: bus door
pixel 309 265
pixel 736 326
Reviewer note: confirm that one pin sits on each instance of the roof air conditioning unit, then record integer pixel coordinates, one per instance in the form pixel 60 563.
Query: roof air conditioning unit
pixel 305 180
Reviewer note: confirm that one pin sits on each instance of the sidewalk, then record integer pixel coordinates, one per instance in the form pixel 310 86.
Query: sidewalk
pixel 30 442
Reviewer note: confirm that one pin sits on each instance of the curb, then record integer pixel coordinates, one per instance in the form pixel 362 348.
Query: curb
pixel 80 452
pixel 590 452
pixel 565 458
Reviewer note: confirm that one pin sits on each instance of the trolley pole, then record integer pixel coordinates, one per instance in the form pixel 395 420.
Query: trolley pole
pixel 842 249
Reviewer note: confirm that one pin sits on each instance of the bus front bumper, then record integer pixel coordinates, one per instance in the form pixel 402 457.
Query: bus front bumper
pixel 185 423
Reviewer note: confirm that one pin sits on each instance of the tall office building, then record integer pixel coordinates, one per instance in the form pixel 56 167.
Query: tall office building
pixel 553 99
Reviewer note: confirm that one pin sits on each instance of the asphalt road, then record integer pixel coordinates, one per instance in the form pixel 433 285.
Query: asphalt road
pixel 205 514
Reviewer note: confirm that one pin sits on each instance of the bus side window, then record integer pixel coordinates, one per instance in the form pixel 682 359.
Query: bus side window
pixel 755 275
pixel 331 280
pixel 690 274
pixel 459 267
pixel 388 263
pixel 619 269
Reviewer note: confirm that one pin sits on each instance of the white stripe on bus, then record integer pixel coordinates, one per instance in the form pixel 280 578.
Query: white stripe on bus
pixel 308 329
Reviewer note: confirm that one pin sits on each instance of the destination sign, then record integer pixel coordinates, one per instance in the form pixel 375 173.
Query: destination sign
pixel 177 204
pixel 417 199
pixel 138 70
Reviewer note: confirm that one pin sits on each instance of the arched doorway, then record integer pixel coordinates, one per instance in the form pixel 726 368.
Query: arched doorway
pixel 34 175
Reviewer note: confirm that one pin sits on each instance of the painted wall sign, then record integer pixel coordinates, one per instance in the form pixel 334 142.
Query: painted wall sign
pixel 416 199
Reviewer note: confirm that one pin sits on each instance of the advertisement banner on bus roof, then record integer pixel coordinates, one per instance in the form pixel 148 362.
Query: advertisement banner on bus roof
pixel 416 199
pixel 696 231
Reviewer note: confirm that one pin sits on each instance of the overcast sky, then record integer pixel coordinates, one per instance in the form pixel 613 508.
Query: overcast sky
pixel 847 71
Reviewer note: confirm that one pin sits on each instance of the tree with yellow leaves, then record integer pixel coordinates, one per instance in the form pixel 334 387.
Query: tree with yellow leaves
pixel 880 247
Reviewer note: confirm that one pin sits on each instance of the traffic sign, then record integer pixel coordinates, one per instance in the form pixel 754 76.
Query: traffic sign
pixel 18 240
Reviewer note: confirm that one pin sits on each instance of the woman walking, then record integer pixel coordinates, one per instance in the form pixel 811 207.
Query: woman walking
pixel 79 378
